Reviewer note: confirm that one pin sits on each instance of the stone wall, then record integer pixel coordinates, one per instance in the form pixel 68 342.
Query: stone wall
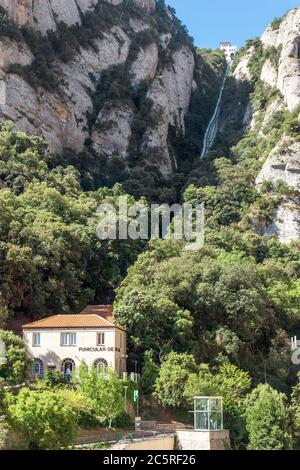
pixel 202 440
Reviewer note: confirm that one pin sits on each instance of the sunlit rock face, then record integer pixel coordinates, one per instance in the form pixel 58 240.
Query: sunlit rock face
pixel 283 163
pixel 286 222
pixel 43 15
pixel 286 37
pixel 61 116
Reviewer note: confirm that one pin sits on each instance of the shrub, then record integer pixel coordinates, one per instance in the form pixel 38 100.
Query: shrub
pixel 267 420
pixel 123 420
pixel 44 419
pixel 275 25
pixel 17 363
pixel 87 420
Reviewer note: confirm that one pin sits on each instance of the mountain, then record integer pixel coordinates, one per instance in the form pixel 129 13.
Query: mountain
pixel 263 102
pixel 112 99
pixel 120 81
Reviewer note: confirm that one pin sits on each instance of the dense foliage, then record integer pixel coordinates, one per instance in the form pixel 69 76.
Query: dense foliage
pixel 218 303
pixel 104 394
pixel 15 364
pixel 51 258
pixel 267 420
pixel 44 419
pixel 140 171
pixel 217 321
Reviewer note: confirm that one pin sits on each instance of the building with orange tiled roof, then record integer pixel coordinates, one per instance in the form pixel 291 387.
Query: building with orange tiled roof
pixel 62 342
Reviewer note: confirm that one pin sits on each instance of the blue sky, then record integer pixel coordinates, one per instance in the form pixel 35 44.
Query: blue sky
pixel 213 21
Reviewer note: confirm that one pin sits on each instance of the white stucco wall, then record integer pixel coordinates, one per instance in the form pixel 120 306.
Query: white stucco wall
pixel 203 440
pixel 51 352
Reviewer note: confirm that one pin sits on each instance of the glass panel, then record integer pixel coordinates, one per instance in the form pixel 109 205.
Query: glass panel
pixel 73 339
pixel 208 414
pixel 215 404
pixel 64 339
pixel 213 420
pixel 36 339
pixel 100 339
pixel 67 367
pixel 38 368
pixel 201 404
pixel 201 421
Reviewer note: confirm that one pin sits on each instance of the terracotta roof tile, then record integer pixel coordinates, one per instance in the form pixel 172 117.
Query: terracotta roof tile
pixel 98 316
pixel 105 311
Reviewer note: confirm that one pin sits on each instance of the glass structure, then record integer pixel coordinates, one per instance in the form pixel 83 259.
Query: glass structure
pixel 208 413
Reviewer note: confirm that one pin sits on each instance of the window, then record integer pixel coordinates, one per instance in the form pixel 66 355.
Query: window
pixel 73 339
pixel 102 366
pixel 68 339
pixel 38 368
pixel 208 413
pixel 36 339
pixel 64 339
pixel 67 367
pixel 100 339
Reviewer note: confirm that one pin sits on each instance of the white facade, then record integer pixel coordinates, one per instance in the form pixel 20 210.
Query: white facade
pixel 229 50
pixel 64 349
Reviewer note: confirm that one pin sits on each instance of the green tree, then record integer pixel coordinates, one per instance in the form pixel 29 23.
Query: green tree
pixel 3 419
pixel 267 420
pixel 3 431
pixel 173 376
pixel 150 372
pixel 232 384
pixel 22 158
pixel 15 369
pixel 104 394
pixel 295 411
pixel 3 311
pixel 44 419
pixel 213 304
pixel 51 257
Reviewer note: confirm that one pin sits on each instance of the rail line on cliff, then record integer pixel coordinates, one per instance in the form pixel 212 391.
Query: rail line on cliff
pixel 212 128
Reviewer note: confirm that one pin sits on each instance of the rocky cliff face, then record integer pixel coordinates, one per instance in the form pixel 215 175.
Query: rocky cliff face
pixel 45 15
pixel 278 78
pixel 286 78
pixel 73 44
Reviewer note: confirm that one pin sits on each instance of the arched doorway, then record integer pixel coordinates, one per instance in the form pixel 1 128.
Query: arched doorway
pixel 67 368
pixel 38 368
pixel 101 365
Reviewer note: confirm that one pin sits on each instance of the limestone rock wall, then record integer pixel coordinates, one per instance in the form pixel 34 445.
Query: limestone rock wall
pixel 61 116
pixel 283 162
pixel 145 65
pixel 156 139
pixel 178 82
pixel 287 37
pixel 44 14
pixel 112 131
pixel 286 221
